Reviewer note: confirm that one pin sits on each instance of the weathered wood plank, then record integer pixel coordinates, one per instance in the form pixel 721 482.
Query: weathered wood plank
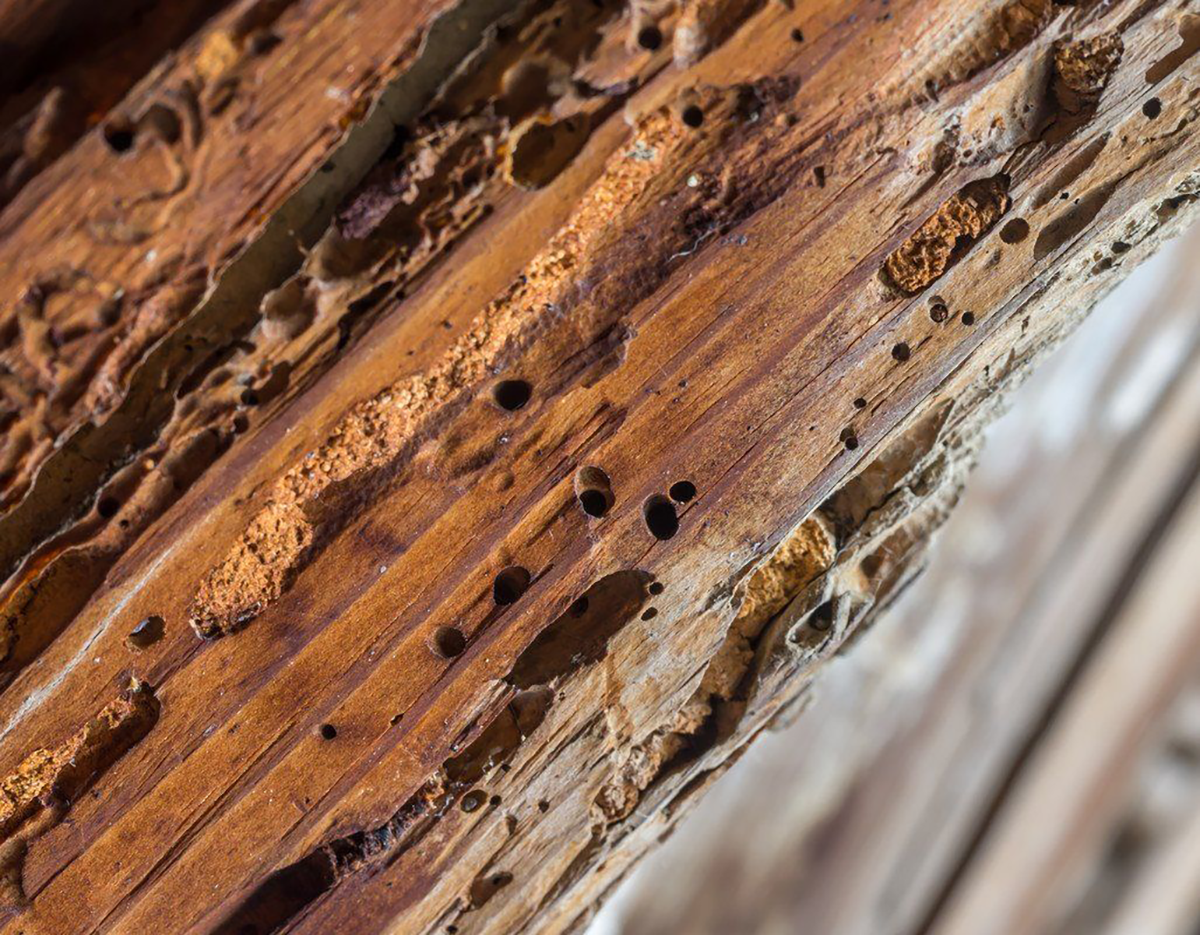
pixel 702 297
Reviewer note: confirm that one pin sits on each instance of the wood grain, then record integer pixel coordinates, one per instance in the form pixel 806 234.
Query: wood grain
pixel 398 721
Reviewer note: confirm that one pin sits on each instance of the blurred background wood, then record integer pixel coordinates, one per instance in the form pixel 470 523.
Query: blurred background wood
pixel 1016 747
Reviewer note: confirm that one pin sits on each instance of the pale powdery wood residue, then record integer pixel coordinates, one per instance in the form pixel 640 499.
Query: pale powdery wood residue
pixel 35 796
pixel 804 555
pixel 375 433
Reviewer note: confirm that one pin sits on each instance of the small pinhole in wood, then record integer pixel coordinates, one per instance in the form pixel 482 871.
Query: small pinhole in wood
pixel 649 613
pixel 968 318
pixel 692 116
pixel 511 395
pixel 510 584
pixel 901 352
pixel 682 491
pixel 473 800
pixel 495 801
pixel 449 642
pixel 1152 108
pixel 860 403
pixel 327 731
pixel 849 439
pixel 797 34
pixel 656 588
pixel 660 516
pixel 108 507
pixel 543 806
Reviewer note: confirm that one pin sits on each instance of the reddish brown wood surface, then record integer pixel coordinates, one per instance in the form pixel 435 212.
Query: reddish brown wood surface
pixel 255 383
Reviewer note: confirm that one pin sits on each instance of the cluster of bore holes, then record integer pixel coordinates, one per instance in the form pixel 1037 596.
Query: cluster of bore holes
pixel 511 395
pixel 474 800
pixel 507 588
pixel 939 312
pixel 593 490
pixel 659 512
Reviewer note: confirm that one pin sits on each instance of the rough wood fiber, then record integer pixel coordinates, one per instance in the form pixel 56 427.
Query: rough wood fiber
pixel 914 743
pixel 767 300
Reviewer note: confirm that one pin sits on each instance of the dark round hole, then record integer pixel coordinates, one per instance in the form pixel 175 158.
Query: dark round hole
pixel 449 642
pixel 579 607
pixel 510 584
pixel 473 800
pixel 849 439
pixel 649 613
pixel 119 137
pixel 939 312
pixel 512 394
pixel 543 806
pixel 327 731
pixel 1152 108
pixel 968 318
pixel 594 491
pixel 901 351
pixel 146 633
pixel 240 424
pixel 249 398
pixel 495 801
pixel 1120 246
pixel 860 403
pixel 692 116
pixel 656 587
pixel 682 491
pixel 649 37
pixel 108 507
pixel 660 516
pixel 797 35
pixel 594 502
pixel 822 617
pixel 1015 231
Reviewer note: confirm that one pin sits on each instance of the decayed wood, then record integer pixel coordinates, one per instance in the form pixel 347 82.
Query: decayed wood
pixel 909 743
pixel 454 679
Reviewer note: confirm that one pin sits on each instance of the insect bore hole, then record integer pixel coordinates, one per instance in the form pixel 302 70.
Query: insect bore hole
pixel 660 516
pixel 511 395
pixel 510 584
